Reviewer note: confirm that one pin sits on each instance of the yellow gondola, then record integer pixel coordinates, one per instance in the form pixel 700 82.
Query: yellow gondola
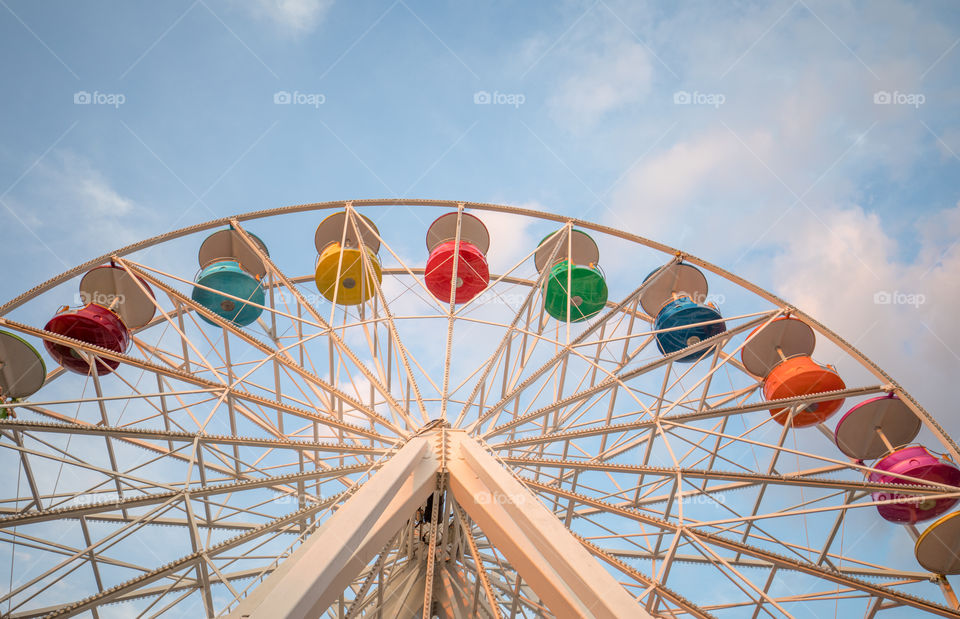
pixel 342 275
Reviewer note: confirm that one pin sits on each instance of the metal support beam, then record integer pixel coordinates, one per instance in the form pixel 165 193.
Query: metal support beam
pixel 315 574
pixel 554 563
pixel 563 574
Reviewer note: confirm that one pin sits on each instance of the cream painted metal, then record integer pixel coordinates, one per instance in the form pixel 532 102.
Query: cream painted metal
pixel 310 580
pixel 566 578
pixel 271 468
pixel 558 568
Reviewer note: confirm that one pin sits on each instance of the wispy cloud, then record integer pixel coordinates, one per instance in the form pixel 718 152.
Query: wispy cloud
pixel 292 16
pixel 73 205
pixel 600 82
pixel 89 188
pixel 854 278
pixel 777 182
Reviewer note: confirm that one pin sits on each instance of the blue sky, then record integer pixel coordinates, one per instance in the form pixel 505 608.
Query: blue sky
pixel 786 166
pixel 811 146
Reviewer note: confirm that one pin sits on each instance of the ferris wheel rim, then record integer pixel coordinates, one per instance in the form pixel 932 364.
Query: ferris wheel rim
pixel 852 352
pixel 818 326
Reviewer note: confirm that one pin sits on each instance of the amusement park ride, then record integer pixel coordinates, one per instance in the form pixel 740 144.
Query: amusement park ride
pixel 397 437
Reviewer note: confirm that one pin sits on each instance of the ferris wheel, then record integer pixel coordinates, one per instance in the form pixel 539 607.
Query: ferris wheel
pixel 527 415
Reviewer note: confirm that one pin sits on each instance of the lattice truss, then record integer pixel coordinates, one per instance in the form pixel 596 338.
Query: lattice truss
pixel 215 455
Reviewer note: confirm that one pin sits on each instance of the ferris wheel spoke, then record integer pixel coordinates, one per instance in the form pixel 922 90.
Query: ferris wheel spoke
pixel 189 561
pixel 482 577
pixel 98 497
pixel 136 277
pixel 802 509
pixel 367 577
pixel 280 355
pixel 200 492
pixel 331 333
pixel 812 479
pixel 622 378
pixel 131 481
pixel 650 585
pixel 615 381
pixel 703 383
pixel 734 575
pixel 402 352
pixel 684 419
pixel 133 396
pixel 36 496
pixel 404 355
pixel 141 438
pixel 512 587
pixel 571 346
pixel 628 440
pixel 58 549
pixel 445 390
pixel 81 557
pixel 182 585
pixel 186 437
pixel 740 548
pixel 856 569
pixel 503 346
pixel 771 467
pixel 196 381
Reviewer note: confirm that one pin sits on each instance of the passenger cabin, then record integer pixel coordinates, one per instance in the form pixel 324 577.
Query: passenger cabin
pixel 229 283
pixel 676 294
pixel 574 288
pixel 938 548
pixel 348 268
pixel 113 304
pixel 457 270
pixel 883 428
pixel 22 371
pixel 779 353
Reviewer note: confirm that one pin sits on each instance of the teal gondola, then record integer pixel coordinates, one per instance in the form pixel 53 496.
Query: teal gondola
pixel 229 283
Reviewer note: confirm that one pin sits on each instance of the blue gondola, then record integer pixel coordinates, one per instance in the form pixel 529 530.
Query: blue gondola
pixel 681 312
pixel 673 299
pixel 229 277
pixel 231 267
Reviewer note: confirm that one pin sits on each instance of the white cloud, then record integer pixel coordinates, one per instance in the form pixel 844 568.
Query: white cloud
pixel 76 210
pixel 601 82
pixel 510 237
pixel 87 187
pixel 800 120
pixel 844 270
pixel 666 193
pixel 297 16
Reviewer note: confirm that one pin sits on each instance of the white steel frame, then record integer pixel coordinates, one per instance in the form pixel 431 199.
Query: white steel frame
pixel 293 461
